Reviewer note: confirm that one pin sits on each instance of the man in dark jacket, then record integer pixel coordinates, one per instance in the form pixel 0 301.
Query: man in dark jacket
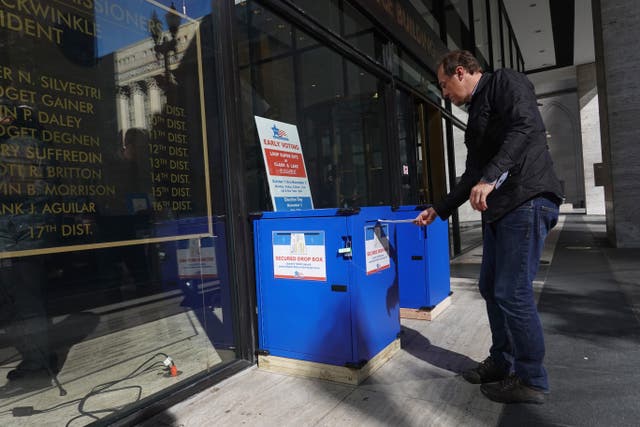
pixel 508 177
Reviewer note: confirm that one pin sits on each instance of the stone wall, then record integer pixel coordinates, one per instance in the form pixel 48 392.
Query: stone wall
pixel 616 29
pixel 591 147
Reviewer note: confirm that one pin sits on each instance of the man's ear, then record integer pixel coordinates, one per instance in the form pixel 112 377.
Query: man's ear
pixel 459 72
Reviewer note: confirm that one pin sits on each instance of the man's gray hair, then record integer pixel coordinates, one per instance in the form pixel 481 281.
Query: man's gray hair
pixel 462 58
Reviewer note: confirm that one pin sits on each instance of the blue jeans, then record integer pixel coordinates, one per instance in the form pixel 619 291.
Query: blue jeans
pixel 512 247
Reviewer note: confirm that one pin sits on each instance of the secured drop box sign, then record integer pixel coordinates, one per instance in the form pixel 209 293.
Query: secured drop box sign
pixel 327 291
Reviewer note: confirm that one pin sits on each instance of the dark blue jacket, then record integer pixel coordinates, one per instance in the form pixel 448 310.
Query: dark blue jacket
pixel 504 133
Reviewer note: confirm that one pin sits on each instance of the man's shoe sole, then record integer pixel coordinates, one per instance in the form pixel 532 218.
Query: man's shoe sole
pixel 539 399
pixel 475 379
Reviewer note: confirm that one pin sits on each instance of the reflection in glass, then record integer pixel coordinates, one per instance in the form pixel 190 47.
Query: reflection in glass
pixel 342 131
pixel 427 9
pixel 343 19
pixel 416 75
pixel 462 9
pixel 495 34
pixel 446 157
pixel 326 12
pixel 113 268
pixel 360 32
pixel 457 20
pixel 506 42
pixel 455 26
pixel 272 32
pixel 481 30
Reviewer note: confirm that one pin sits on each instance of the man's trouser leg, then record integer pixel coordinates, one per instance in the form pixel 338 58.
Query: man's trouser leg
pixel 501 343
pixel 519 240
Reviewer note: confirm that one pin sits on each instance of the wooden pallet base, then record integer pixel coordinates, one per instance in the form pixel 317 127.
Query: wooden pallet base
pixel 324 371
pixel 416 313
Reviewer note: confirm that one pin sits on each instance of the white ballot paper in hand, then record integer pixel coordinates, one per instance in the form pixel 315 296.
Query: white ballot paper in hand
pixel 396 221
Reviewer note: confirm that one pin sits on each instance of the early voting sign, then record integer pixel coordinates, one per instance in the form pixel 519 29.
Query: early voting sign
pixel 287 175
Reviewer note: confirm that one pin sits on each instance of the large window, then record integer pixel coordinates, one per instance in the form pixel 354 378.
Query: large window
pixel 337 106
pixel 114 284
pixel 343 19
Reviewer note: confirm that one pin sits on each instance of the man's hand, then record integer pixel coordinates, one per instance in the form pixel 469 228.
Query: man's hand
pixel 426 217
pixel 479 193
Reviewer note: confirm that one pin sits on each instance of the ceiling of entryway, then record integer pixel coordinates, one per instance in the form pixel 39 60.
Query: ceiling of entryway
pixel 552 33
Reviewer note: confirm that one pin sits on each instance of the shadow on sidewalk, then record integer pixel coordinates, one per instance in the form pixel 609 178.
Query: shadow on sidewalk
pixel 416 344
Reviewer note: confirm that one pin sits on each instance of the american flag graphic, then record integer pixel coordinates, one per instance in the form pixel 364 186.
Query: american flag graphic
pixel 278 133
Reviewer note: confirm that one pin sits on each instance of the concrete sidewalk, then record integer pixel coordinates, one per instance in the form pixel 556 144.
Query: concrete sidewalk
pixel 588 300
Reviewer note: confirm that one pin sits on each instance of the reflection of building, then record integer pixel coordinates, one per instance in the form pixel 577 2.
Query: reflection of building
pixel 158 93
pixel 141 77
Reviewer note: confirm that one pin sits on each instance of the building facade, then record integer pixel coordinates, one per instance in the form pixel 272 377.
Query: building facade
pixel 131 166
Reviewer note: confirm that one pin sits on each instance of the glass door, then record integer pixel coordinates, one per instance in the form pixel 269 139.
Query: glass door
pixel 410 141
pixel 433 151
pixel 421 150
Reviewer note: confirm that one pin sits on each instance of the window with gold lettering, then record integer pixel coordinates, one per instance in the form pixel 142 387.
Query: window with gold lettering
pixel 113 266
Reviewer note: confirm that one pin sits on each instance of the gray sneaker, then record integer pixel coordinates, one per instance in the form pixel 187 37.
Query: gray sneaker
pixel 513 390
pixel 487 371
